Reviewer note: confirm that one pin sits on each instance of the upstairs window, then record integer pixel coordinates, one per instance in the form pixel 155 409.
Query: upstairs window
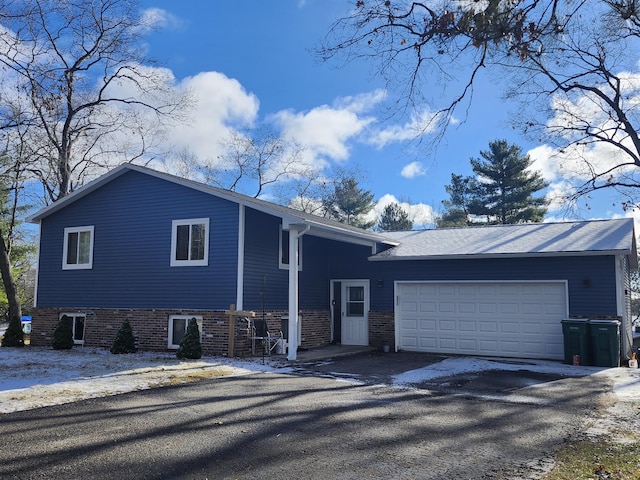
pixel 284 250
pixel 190 242
pixel 78 248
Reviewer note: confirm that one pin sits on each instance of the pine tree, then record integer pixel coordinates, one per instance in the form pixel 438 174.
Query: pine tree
pixel 63 334
pixel 190 346
pixel 460 192
pixel 394 219
pixel 124 342
pixel 500 192
pixel 13 337
pixel 349 204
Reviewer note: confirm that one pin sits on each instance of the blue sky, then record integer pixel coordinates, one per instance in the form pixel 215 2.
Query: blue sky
pixel 250 62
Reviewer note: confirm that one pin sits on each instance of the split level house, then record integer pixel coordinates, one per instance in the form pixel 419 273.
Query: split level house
pixel 158 250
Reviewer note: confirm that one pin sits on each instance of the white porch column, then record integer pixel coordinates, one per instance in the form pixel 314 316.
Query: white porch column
pixel 295 232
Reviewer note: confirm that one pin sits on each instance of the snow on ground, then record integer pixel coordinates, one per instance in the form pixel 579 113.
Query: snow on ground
pixel 33 377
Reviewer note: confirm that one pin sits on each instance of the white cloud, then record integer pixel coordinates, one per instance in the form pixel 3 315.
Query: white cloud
pixel 413 169
pixel 420 123
pixel 325 132
pixel 219 104
pixel 155 18
pixel 421 214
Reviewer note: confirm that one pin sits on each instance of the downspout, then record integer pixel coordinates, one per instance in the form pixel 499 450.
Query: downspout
pixel 294 261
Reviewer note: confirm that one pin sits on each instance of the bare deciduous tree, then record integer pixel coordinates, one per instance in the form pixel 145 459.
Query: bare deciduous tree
pixel 255 161
pixel 88 96
pixel 77 97
pixel 572 63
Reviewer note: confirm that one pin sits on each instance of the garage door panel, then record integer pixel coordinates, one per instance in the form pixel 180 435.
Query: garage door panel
pixel 488 326
pixel 488 308
pixel 428 307
pixel 428 325
pixel 509 327
pixel 447 325
pixel 468 326
pixel 514 319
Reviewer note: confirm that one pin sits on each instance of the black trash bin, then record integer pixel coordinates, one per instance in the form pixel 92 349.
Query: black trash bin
pixel 605 342
pixel 576 341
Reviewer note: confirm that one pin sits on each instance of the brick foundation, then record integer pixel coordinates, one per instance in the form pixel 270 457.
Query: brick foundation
pixel 150 327
pixel 381 329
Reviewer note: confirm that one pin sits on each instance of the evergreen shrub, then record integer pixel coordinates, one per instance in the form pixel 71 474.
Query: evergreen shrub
pixel 190 346
pixel 124 342
pixel 13 337
pixel 63 334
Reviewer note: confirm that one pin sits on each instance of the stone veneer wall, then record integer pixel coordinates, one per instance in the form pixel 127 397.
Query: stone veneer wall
pixel 150 327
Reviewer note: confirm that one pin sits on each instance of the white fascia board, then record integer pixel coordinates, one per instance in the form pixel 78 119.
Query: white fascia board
pixel 472 256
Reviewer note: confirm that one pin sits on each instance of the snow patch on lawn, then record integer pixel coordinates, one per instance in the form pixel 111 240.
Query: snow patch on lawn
pixel 33 377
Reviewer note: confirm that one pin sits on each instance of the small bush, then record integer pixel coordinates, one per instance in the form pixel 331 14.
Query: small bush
pixel 190 346
pixel 63 334
pixel 13 337
pixel 124 342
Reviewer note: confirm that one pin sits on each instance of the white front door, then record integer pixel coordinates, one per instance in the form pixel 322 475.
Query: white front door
pixel 355 312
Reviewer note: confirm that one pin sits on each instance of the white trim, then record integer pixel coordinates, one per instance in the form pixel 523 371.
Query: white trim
pixel 35 285
pixel 626 336
pixel 170 343
pixel 189 263
pixel 241 235
pixel 65 248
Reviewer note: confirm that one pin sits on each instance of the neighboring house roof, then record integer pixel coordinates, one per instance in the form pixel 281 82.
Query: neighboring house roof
pixel 318 226
pixel 596 237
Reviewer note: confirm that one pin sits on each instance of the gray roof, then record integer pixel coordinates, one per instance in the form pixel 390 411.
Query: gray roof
pixel 318 226
pixel 595 237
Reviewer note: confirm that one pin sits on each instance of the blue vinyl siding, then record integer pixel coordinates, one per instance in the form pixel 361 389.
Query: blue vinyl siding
pixel 591 279
pixel 265 285
pixel 132 216
pixel 262 272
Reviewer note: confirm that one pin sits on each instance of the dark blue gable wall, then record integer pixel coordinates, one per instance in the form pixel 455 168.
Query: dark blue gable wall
pixel 132 218
pixel 265 284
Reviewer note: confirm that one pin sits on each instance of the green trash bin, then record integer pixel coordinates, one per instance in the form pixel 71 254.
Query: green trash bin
pixel 576 341
pixel 605 342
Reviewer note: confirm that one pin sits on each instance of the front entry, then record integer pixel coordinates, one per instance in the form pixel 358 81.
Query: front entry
pixel 354 312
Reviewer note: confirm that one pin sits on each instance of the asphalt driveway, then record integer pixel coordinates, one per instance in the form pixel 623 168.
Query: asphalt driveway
pixel 305 425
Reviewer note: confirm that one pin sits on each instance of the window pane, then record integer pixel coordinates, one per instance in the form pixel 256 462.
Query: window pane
pixel 197 241
pixel 78 328
pixel 356 294
pixel 84 247
pixel 355 309
pixel 182 242
pixel 179 329
pixel 72 248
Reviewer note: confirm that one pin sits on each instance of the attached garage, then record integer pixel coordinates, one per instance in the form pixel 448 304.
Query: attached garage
pixel 510 319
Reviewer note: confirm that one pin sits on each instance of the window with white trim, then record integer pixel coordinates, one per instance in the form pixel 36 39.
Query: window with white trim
pixel 78 321
pixel 283 258
pixel 190 242
pixel 77 251
pixel 178 327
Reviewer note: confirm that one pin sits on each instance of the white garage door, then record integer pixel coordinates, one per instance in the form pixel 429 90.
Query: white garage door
pixel 509 319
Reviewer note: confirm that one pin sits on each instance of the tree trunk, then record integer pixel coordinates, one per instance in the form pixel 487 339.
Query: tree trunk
pixel 8 282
